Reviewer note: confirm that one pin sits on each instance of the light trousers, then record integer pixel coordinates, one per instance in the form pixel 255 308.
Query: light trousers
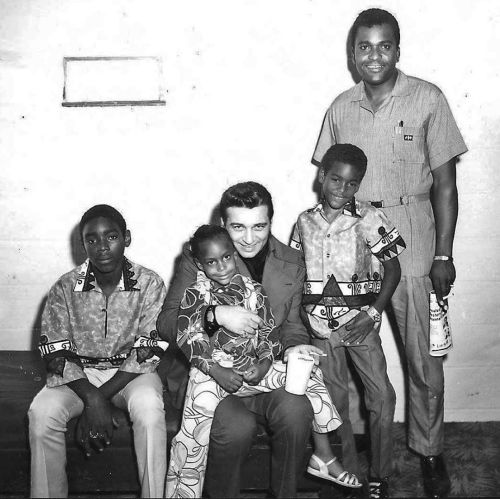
pixel 410 304
pixel 52 408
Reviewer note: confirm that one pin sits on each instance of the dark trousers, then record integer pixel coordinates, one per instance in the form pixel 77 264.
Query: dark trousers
pixel 288 418
pixel 369 360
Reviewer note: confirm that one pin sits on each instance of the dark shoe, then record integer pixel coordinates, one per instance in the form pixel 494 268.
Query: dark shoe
pixel 379 488
pixel 436 480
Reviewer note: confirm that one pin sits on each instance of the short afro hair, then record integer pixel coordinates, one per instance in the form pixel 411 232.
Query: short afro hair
pixel 345 153
pixel 207 233
pixel 374 17
pixel 105 211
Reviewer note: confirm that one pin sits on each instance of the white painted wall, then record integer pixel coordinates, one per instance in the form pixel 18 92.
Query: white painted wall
pixel 248 83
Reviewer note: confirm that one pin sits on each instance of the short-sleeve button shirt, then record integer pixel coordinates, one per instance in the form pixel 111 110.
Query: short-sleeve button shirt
pixel 82 328
pixel 413 133
pixel 343 261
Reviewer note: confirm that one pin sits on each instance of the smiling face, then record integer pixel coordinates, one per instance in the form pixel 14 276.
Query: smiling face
pixel 217 259
pixel 339 184
pixel 375 53
pixel 105 244
pixel 248 228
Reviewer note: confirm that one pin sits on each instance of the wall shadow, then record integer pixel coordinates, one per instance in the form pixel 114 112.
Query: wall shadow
pixel 37 325
pixel 78 254
pixel 351 67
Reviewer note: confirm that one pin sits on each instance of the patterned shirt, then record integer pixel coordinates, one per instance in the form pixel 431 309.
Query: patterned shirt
pixel 343 261
pixel 225 348
pixel 81 327
pixel 413 133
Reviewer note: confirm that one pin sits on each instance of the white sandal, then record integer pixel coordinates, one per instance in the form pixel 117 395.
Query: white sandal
pixel 345 478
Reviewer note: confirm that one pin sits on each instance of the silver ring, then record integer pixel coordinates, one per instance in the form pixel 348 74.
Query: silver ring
pixel 93 434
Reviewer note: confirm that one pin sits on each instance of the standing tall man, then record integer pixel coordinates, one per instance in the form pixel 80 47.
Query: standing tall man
pixel 410 137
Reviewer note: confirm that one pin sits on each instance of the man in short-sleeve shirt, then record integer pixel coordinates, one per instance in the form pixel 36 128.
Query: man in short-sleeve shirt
pixel 408 133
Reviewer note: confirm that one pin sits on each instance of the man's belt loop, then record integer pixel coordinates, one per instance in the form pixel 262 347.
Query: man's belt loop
pixel 401 201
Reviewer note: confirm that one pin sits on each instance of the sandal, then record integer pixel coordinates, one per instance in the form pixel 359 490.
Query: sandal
pixel 345 478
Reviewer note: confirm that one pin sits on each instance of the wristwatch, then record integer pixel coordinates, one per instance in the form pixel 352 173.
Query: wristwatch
pixel 374 314
pixel 211 324
pixel 443 258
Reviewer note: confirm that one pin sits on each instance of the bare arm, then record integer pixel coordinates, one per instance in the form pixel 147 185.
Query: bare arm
pixel 362 324
pixel 444 198
pixel 97 415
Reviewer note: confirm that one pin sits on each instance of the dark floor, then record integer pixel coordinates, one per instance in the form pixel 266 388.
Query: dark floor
pixel 472 453
pixel 473 456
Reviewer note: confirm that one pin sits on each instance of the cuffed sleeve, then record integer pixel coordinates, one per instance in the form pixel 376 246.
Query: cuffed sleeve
pixel 191 337
pixel 148 347
pixel 56 345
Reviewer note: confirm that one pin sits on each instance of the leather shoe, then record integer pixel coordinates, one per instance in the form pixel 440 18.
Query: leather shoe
pixel 436 480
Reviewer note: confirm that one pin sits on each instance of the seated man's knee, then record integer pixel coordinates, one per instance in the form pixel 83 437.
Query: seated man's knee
pixel 233 424
pixel 146 408
pixel 44 418
pixel 291 411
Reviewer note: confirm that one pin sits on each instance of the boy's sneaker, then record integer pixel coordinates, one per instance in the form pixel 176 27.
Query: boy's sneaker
pixel 379 488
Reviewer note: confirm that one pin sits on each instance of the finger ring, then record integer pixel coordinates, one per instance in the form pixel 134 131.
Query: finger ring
pixel 93 434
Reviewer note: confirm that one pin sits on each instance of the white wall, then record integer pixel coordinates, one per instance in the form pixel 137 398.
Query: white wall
pixel 248 83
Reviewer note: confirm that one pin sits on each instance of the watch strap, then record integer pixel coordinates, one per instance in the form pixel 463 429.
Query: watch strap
pixel 444 258
pixel 374 314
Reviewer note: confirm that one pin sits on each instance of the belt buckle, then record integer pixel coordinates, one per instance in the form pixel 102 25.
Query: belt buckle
pixel 405 199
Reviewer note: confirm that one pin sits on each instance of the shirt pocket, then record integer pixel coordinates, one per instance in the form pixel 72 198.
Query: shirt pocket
pixel 409 144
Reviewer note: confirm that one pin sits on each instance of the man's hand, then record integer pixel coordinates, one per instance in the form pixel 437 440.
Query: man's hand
pixel 95 425
pixel 358 329
pixel 442 276
pixel 237 319
pixel 311 350
pixel 226 377
pixel 255 373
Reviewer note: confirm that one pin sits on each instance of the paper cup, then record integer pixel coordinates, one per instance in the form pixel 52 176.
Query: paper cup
pixel 298 371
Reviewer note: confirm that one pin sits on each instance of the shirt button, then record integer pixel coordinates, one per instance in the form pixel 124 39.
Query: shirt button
pixel 328 255
pixel 328 235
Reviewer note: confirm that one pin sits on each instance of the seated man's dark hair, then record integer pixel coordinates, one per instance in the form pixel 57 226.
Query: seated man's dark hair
pixel 106 211
pixel 207 233
pixel 246 195
pixel 374 17
pixel 345 153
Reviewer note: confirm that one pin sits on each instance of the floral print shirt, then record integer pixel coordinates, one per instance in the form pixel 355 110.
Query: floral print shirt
pixel 81 327
pixel 224 347
pixel 343 261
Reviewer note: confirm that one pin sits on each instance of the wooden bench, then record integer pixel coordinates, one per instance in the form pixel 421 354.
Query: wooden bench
pixel 22 375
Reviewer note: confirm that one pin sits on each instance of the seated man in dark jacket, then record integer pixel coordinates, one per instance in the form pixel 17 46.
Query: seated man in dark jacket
pixel 247 212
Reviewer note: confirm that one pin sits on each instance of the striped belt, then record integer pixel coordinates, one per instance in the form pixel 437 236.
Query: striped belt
pixel 401 200
pixel 346 288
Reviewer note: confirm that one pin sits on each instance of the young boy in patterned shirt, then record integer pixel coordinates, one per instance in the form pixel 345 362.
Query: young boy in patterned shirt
pixel 351 250
pixel 101 350
pixel 219 361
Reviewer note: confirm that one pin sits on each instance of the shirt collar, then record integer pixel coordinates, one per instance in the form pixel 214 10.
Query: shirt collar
pixel 401 88
pixel 351 209
pixel 86 281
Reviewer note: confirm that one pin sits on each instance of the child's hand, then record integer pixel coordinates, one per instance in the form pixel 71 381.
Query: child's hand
pixel 358 329
pixel 254 374
pixel 226 377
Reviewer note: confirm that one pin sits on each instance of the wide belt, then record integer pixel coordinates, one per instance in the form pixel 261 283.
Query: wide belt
pixel 401 200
